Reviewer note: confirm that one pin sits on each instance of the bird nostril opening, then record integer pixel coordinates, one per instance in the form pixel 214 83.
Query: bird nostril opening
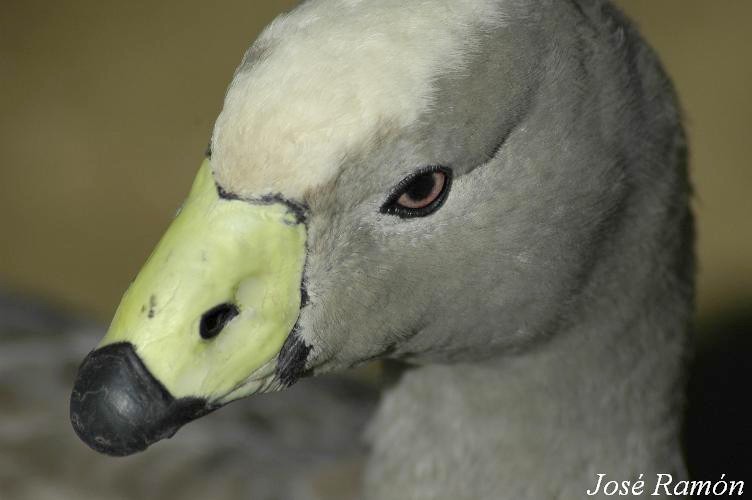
pixel 215 319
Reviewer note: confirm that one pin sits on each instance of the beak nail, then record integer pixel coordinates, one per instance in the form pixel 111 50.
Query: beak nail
pixel 119 408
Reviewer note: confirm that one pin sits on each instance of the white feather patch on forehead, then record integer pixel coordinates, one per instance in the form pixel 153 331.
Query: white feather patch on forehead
pixel 329 76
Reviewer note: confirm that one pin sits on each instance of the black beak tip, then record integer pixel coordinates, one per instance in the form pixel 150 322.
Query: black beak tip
pixel 118 408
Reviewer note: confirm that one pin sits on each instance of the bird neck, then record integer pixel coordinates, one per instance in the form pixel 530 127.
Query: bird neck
pixel 602 395
pixel 543 425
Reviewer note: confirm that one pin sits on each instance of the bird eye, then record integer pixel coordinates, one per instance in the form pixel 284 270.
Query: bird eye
pixel 419 194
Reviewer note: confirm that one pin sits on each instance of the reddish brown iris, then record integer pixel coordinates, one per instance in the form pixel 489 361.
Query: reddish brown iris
pixel 423 190
pixel 419 194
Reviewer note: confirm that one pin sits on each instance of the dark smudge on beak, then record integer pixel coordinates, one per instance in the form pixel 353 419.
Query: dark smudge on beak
pixel 292 358
pixel 118 408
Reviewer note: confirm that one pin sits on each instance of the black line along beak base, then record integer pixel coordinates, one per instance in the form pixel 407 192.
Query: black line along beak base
pixel 118 408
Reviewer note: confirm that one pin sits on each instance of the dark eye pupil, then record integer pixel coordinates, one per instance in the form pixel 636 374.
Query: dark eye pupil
pixel 421 186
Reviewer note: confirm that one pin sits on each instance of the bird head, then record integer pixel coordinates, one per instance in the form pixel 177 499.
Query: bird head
pixel 421 180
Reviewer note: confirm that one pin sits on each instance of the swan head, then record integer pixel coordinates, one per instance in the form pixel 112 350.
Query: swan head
pixel 429 181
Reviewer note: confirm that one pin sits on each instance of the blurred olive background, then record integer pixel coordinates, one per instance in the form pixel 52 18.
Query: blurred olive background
pixel 107 108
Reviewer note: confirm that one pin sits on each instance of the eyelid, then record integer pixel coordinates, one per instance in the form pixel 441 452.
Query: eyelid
pixel 398 189
pixel 389 205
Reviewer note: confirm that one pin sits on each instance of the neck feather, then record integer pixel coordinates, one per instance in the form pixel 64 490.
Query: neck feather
pixel 601 396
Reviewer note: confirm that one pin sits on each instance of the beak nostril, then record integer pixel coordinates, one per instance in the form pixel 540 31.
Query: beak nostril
pixel 215 319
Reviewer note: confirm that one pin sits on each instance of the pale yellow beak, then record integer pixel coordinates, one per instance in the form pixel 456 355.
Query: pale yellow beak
pixel 246 257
